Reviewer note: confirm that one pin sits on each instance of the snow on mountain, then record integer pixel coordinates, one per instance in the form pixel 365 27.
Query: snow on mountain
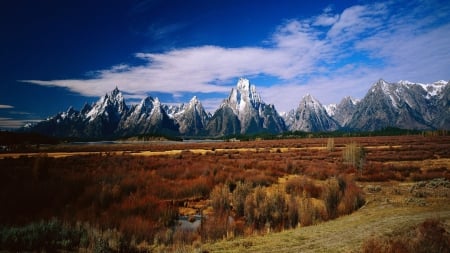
pixel 344 111
pixel 245 108
pixel 311 116
pixel 330 109
pixel 174 110
pixel 403 104
pixel 288 118
pixel 192 118
pixel 111 103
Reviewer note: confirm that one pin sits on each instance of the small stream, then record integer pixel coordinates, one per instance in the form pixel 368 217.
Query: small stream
pixel 190 223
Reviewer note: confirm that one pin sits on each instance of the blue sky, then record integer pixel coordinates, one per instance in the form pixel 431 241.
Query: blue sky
pixel 56 54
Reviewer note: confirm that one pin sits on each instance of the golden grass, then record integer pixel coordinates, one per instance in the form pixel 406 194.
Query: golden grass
pixel 384 214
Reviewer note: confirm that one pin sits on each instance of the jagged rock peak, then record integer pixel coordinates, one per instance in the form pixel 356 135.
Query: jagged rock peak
pixel 145 104
pixel 245 92
pixel 243 84
pixel 311 116
pixel 309 100
pixel 115 95
pixel 194 100
pixel 156 102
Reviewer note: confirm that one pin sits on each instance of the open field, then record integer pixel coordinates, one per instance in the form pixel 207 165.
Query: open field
pixel 245 192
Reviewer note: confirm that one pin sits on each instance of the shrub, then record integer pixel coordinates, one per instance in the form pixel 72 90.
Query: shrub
pixel 306 212
pixel 429 236
pixel 332 196
pixel 354 155
pixel 215 226
pixel 240 193
pixel 275 208
pixel 302 186
pixel 220 198
pixel 47 236
pixel 330 144
pixel 254 209
pixel 293 211
pixel 352 198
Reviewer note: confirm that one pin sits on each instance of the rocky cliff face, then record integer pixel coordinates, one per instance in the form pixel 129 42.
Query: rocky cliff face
pixel 404 105
pixel 344 111
pixel 191 118
pixel 311 116
pixel 244 112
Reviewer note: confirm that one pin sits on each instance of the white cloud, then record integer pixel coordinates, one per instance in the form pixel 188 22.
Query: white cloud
pixel 9 123
pixel 6 106
pixel 329 55
pixel 326 19
pixel 211 104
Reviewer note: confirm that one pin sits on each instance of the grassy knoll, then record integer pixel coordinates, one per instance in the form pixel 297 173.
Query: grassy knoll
pixel 393 208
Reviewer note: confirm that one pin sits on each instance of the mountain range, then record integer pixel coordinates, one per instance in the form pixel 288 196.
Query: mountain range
pixel 403 104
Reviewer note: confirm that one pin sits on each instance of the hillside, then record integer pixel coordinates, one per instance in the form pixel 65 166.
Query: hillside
pixel 393 209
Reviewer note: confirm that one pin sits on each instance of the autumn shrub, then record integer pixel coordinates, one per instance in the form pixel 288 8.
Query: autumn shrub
pixel 292 214
pixel 354 155
pixel 377 172
pixel 332 195
pixel 330 144
pixel 254 209
pixel 140 227
pixel 275 208
pixel 220 198
pixel 428 236
pixel 240 193
pixel 307 212
pixel 215 226
pixel 341 196
pixel 352 199
pixel 302 186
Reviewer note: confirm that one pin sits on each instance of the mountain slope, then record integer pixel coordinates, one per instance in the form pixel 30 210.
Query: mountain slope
pixel 109 117
pixel 344 111
pixel 148 117
pixel 311 116
pixel 404 105
pixel 97 121
pixel 245 108
pixel 192 118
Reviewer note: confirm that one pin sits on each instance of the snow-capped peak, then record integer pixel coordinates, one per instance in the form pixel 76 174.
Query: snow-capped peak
pixel 243 84
pixel 243 96
pixel 310 101
pixel 406 82
pixel 331 109
pixel 441 82
pixel 113 99
pixel 194 101
pixel 432 89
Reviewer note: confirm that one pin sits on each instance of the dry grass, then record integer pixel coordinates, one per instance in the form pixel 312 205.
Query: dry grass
pixel 387 211
pixel 183 174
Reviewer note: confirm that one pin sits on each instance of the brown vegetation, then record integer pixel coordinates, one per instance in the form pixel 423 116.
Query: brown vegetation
pixel 428 236
pixel 121 187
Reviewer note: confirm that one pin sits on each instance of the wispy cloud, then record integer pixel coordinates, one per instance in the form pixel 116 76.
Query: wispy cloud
pixel 9 123
pixel 159 32
pixel 6 106
pixel 329 55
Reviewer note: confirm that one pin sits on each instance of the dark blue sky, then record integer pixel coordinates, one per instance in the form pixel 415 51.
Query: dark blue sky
pixel 56 54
